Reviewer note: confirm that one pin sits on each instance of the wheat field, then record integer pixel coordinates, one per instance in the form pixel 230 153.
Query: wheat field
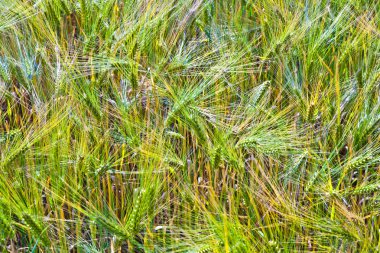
pixel 198 126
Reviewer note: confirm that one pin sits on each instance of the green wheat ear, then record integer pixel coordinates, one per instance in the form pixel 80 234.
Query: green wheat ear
pixel 311 112
pixel 6 227
pixel 174 135
pixel 216 157
pixel 362 190
pixel 36 228
pixel 4 70
pixel 205 249
pixel 4 207
pixel 358 163
pixel 173 160
pixel 113 228
pixel 259 93
pixel 133 219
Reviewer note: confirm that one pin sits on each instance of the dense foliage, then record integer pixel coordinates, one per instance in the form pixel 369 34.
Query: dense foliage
pixel 189 126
